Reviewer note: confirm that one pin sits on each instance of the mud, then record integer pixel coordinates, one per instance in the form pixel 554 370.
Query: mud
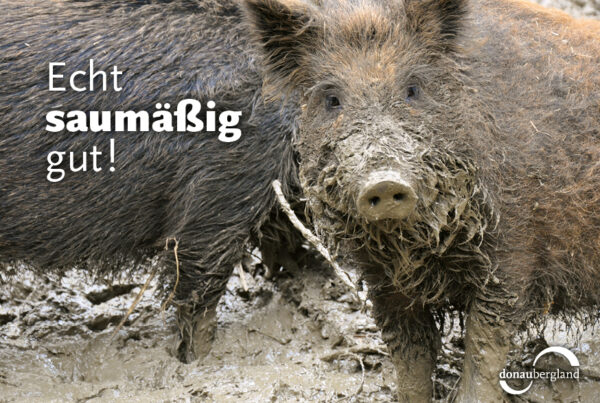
pixel 296 337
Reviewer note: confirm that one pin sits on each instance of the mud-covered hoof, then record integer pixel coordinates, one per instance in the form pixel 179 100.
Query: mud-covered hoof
pixel 196 334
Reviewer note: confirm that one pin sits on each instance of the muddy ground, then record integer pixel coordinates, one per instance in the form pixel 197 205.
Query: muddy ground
pixel 298 336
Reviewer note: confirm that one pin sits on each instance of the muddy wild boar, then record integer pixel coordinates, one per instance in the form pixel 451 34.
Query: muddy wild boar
pixel 212 197
pixel 451 149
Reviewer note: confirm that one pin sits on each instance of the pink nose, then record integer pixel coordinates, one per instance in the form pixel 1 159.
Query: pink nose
pixel 386 194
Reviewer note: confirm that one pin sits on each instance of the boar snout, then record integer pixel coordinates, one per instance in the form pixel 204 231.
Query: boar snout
pixel 386 194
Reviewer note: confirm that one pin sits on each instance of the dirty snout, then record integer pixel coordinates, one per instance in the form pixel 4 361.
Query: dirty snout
pixel 386 195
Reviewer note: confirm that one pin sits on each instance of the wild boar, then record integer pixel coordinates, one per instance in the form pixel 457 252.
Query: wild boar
pixel 210 197
pixel 451 150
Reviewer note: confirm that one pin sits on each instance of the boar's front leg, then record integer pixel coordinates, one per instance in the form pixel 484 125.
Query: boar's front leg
pixel 196 318
pixel 197 326
pixel 413 341
pixel 204 271
pixel 487 342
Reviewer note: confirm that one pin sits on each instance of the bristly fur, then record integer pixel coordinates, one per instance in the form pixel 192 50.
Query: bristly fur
pixel 212 197
pixel 283 31
pixel 439 22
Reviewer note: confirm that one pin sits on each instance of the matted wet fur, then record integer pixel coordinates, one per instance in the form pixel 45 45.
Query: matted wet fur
pixel 490 112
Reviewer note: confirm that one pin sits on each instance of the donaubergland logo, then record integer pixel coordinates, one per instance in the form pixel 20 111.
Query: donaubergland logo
pixel 535 374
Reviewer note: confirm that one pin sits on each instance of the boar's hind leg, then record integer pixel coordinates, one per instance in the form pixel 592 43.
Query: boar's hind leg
pixel 487 342
pixel 413 341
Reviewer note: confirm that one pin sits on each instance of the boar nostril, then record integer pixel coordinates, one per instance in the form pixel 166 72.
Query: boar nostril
pixel 399 196
pixel 386 195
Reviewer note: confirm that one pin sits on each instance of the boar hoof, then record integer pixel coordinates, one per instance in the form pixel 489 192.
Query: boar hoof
pixel 197 333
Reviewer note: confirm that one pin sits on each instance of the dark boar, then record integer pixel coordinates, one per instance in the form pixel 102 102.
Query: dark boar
pixel 212 197
pixel 454 157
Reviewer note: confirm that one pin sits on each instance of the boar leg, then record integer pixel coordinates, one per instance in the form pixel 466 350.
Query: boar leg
pixel 413 342
pixel 196 332
pixel 197 296
pixel 487 342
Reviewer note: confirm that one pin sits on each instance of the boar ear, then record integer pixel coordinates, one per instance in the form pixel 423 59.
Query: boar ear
pixel 438 22
pixel 285 33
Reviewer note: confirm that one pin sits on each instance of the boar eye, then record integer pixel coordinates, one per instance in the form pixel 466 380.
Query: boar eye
pixel 332 102
pixel 412 92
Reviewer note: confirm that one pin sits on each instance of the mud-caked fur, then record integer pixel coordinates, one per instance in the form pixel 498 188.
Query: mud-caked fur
pixel 209 196
pixel 491 110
